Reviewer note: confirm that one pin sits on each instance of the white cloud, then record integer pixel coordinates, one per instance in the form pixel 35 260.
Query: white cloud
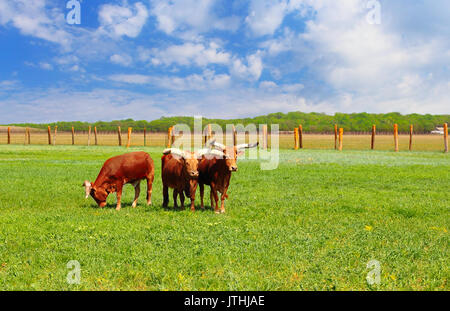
pixel 208 80
pixel 251 71
pixel 45 66
pixel 266 16
pixel 367 67
pixel 190 16
pixel 123 20
pixel 33 19
pixel 7 85
pixel 121 59
pixel 187 54
pixel 130 78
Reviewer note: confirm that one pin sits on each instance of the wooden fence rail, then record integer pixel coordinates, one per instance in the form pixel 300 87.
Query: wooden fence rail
pixel 405 141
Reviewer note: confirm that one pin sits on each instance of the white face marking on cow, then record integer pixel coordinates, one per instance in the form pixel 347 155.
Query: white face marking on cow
pixel 87 187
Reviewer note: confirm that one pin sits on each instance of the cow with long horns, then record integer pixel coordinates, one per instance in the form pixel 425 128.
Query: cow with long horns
pixel 179 170
pixel 215 171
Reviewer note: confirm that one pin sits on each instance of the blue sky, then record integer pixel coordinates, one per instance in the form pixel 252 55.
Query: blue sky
pixel 146 59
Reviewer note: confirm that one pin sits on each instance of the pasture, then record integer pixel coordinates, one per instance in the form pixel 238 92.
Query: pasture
pixel 312 224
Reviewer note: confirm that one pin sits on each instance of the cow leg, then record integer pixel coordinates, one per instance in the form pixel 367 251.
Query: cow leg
pixel 182 197
pixel 165 196
pixel 202 192
pixel 211 197
pixel 119 195
pixel 137 191
pixel 216 199
pixel 222 201
pixel 149 188
pixel 193 188
pixel 175 193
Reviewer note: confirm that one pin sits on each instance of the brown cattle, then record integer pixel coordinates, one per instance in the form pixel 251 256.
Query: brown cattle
pixel 215 170
pixel 179 171
pixel 129 168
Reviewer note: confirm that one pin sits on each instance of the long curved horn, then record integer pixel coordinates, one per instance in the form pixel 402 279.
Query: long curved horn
pixel 246 146
pixel 214 143
pixel 174 151
pixel 202 152
pixel 212 153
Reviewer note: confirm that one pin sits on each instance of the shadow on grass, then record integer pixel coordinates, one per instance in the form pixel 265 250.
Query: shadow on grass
pixel 169 208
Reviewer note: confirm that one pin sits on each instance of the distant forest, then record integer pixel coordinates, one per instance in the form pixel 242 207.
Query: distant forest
pixel 311 122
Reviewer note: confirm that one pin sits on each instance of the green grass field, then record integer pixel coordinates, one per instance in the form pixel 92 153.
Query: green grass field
pixel 312 224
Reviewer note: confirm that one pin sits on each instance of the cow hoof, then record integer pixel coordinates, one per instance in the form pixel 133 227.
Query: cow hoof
pixel 149 203
pixel 217 212
pixel 133 205
pixel 118 208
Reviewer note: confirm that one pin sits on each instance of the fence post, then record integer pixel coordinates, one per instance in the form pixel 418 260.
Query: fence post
pixel 169 137
pixel 54 136
pixel 95 135
pixel 445 137
pixel 372 142
pixel 396 137
pixel 89 136
pixel 265 140
pixel 411 130
pixel 300 135
pixel 49 135
pixel 27 133
pixel 335 136
pixel 129 137
pixel 145 136
pixel 119 134
pixel 341 134
pixel 9 135
pixel 73 136
pixel 296 138
pixel 234 135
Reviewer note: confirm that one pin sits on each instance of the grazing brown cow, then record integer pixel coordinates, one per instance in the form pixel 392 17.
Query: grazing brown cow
pixel 215 170
pixel 179 171
pixel 129 168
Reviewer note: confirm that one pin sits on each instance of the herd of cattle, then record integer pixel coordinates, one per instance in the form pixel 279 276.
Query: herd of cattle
pixel 181 170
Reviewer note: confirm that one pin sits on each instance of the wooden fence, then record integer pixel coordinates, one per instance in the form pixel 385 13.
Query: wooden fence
pixel 394 141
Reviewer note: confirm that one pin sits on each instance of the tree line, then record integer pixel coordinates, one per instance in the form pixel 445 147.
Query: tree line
pixel 312 122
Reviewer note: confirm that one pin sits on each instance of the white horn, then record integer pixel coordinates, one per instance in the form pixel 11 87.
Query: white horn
pixel 214 154
pixel 214 143
pixel 174 151
pixel 246 146
pixel 201 152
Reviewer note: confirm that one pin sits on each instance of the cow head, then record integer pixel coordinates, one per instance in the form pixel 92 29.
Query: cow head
pixel 99 194
pixel 189 160
pixel 230 154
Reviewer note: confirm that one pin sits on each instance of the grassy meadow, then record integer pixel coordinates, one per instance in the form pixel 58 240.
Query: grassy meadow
pixel 312 224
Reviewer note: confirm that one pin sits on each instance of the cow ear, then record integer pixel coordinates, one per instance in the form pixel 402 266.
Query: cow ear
pixel 239 153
